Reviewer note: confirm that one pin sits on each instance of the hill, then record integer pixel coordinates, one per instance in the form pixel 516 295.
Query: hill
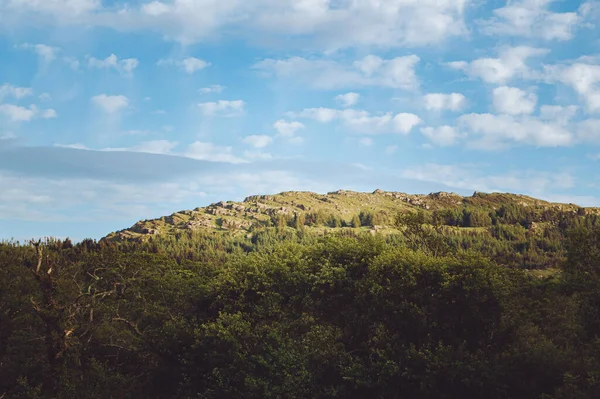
pixel 342 208
pixel 302 295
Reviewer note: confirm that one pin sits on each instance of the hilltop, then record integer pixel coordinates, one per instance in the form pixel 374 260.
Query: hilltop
pixel 342 208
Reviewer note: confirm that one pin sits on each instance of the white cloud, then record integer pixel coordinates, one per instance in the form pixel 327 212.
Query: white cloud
pixel 590 10
pixel 405 122
pixel 287 129
pixel 348 99
pixel 296 140
pixel 320 24
pixel 212 89
pixel 258 141
pixel 440 101
pixel 197 150
pixel 45 97
pixel 59 8
pixel 589 131
pixel 559 114
pixel 223 108
pixel 7 135
pixel 584 78
pixel 513 101
pixel 51 199
pixel 326 115
pixel 499 130
pixel 18 114
pixel 123 66
pixel 391 149
pixel 366 141
pixel 190 65
pixel 363 121
pixel 111 104
pixel 472 177
pixel 7 90
pixel 442 135
pixel 531 18
pixel 137 132
pixel 75 146
pixel 46 53
pixel 510 64
pixel 72 62
pixel 328 75
pixel 155 147
pixel 211 152
pixel 48 114
pixel 384 24
pixel 257 155
pixel 155 8
pixel 369 65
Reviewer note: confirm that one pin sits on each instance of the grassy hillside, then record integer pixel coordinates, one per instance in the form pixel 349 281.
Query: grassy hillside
pixel 339 208
pixel 513 230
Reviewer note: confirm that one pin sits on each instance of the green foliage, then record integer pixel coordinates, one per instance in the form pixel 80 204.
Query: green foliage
pixel 433 310
pixel 476 218
pixel 366 218
pixel 583 261
pixel 299 221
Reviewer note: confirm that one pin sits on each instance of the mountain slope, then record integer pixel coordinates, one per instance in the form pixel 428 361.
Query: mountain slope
pixel 342 209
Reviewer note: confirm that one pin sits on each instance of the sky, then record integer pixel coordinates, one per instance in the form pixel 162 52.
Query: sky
pixel 112 111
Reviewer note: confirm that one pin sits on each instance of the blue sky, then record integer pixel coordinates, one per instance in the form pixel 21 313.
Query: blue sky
pixel 113 111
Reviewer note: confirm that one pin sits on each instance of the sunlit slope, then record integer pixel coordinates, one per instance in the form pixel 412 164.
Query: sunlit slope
pixel 348 209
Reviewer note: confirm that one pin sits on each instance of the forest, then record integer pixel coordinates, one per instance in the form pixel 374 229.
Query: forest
pixel 463 303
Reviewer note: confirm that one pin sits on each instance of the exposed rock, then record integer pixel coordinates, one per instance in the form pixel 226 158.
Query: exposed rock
pixel 256 198
pixel 239 208
pixel 199 223
pixel 233 224
pixel 444 194
pixel 258 209
pixel 341 192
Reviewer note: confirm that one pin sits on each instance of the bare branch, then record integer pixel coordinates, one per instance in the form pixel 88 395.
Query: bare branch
pixel 131 325
pixel 40 253
pixel 36 306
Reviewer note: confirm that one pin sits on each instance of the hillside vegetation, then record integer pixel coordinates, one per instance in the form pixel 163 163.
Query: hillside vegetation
pixel 300 295
pixel 341 208
pixel 514 230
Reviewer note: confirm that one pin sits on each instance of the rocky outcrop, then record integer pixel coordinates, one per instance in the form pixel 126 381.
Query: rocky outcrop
pixel 235 224
pixel 262 209
pixel 199 223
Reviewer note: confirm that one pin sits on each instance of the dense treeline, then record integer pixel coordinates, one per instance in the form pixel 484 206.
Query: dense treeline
pixel 284 313
pixel 511 236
